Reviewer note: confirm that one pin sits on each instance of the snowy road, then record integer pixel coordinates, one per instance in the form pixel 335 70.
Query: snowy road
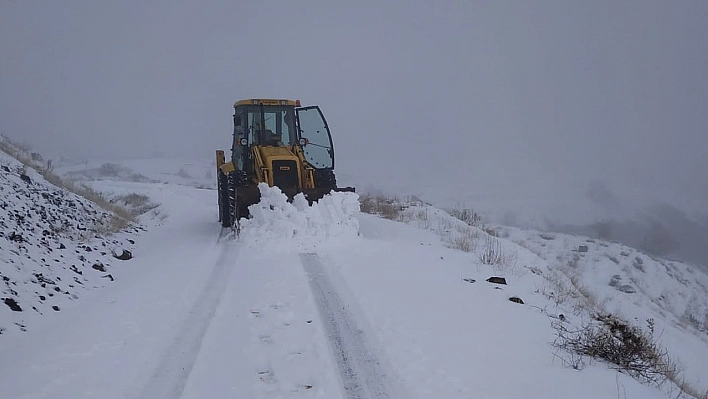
pixel 172 373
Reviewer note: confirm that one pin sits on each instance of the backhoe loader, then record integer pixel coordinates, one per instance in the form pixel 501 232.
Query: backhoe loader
pixel 280 143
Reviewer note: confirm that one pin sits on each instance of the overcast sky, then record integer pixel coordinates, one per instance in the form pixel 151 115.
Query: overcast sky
pixel 517 98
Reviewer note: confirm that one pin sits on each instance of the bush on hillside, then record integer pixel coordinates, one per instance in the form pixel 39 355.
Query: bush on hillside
pixel 613 340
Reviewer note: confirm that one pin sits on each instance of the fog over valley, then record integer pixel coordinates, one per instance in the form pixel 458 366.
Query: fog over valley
pixel 584 118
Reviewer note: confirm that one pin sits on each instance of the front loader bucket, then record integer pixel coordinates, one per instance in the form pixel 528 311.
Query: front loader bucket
pixel 316 194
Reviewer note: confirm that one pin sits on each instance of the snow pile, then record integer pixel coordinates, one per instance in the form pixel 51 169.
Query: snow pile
pixel 298 225
pixel 51 246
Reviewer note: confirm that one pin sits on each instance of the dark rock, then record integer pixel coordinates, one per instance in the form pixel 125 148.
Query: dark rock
pixel 40 278
pixel 88 249
pixel 125 255
pixel 615 280
pixel 497 280
pixel 99 266
pixel 516 299
pixel 627 289
pixel 75 270
pixel 26 179
pixel 42 298
pixel 57 289
pixel 109 276
pixel 62 246
pixel 583 248
pixel 5 168
pixel 131 241
pixel 469 280
pixel 16 237
pixel 56 308
pixel 12 304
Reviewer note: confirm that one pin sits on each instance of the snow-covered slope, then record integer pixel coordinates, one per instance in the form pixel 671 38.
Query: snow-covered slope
pixel 578 276
pixel 54 247
pixel 329 302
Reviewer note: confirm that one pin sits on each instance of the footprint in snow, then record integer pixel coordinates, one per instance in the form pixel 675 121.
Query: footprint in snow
pixel 267 376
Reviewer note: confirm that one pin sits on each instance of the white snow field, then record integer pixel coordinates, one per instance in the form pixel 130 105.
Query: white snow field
pixel 329 302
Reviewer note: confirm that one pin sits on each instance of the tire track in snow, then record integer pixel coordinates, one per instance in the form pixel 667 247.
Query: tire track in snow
pixel 172 373
pixel 360 369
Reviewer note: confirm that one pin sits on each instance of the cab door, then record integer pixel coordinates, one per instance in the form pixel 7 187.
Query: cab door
pixel 317 144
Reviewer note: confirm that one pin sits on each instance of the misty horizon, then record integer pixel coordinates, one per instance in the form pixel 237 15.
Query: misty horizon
pixel 574 112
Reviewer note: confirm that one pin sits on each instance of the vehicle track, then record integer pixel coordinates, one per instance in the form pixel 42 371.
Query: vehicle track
pixel 362 374
pixel 172 373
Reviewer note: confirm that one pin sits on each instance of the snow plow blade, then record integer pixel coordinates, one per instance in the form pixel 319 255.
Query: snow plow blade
pixel 316 194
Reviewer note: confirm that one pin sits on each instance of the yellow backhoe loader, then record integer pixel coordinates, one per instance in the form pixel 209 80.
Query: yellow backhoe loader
pixel 280 143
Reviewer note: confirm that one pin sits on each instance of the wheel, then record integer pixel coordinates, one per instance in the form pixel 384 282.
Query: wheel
pixel 225 200
pixel 240 181
pixel 324 179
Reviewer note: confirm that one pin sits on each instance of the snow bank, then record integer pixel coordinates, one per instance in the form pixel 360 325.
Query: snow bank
pixel 297 225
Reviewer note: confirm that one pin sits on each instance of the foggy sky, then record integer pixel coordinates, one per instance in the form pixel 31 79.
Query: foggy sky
pixel 454 101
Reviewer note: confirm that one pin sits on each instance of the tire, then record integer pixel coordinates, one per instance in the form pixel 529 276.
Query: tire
pixel 225 206
pixel 324 179
pixel 240 180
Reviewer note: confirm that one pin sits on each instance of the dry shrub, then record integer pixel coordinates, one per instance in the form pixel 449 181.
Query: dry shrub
pixel 386 207
pixel 493 253
pixel 613 340
pixel 46 170
pixel 138 204
pixel 465 241
pixel 467 215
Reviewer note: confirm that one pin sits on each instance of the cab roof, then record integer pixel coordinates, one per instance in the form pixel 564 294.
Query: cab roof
pixel 267 101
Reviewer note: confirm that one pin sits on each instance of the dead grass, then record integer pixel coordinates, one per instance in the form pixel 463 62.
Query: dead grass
pixel 613 340
pixel 386 207
pixel 137 204
pixel 467 215
pixel 121 217
pixel 493 253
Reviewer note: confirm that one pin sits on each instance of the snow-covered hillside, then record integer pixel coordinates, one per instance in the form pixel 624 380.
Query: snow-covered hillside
pixel 54 246
pixel 330 302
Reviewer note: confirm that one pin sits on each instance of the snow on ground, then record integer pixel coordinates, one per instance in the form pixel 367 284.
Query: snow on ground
pixel 328 302
pixel 636 286
pixel 54 247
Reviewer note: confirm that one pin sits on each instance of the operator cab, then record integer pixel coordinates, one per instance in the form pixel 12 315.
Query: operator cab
pixel 277 123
